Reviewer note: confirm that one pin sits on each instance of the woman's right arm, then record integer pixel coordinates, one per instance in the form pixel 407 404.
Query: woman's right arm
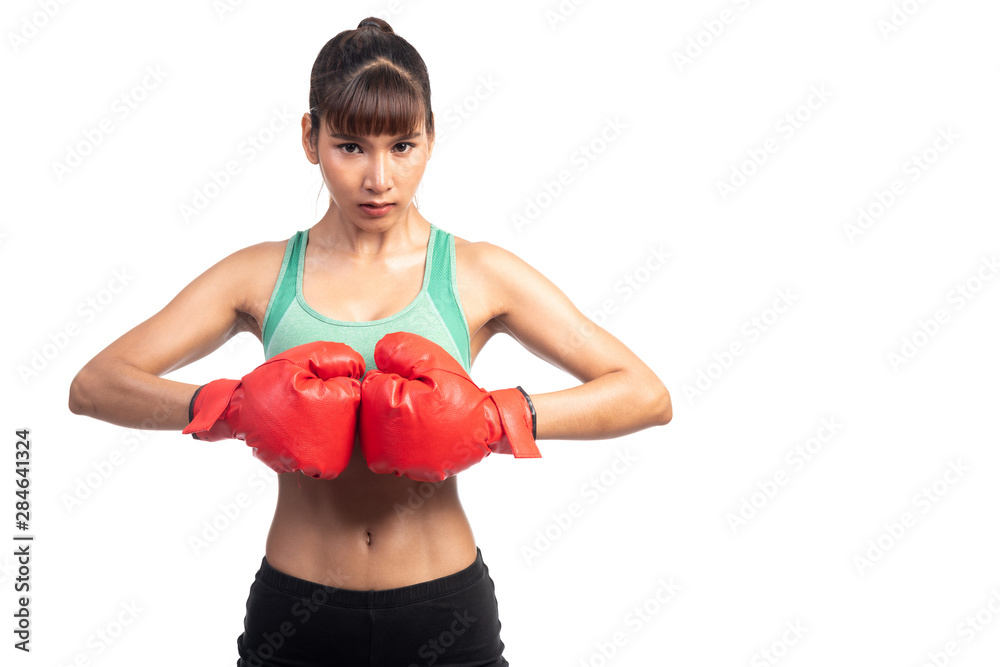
pixel 122 384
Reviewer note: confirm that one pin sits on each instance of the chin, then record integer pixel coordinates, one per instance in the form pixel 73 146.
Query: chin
pixel 374 224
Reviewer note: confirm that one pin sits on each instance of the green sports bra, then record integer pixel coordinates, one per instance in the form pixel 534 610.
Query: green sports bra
pixel 436 312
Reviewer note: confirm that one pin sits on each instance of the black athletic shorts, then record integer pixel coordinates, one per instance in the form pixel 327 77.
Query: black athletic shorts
pixel 448 622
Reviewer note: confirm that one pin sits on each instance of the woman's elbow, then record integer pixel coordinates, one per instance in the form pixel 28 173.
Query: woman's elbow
pixel 81 400
pixel 660 409
pixel 665 409
pixel 651 400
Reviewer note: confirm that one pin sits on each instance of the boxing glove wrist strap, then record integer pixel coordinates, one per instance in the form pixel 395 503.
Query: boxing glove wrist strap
pixel 214 411
pixel 516 424
pixel 191 405
pixel 534 419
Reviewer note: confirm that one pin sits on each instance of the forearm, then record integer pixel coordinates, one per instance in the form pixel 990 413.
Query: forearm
pixel 610 406
pixel 124 395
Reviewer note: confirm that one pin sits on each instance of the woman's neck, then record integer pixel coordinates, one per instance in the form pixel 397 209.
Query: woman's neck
pixel 397 232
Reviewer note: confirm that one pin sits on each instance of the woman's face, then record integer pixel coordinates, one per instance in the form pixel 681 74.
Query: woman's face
pixel 363 172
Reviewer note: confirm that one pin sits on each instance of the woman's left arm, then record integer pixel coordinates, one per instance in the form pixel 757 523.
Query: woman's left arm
pixel 620 394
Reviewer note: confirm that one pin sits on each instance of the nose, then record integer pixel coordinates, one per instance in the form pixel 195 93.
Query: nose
pixel 378 177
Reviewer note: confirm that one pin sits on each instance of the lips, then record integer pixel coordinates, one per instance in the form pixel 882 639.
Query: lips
pixel 376 209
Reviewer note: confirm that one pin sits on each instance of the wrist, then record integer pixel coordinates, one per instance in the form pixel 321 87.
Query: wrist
pixel 194 397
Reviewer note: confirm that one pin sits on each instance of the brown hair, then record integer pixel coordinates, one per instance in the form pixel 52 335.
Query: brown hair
pixel 369 81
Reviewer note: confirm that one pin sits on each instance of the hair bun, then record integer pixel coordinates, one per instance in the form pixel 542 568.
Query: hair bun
pixel 375 22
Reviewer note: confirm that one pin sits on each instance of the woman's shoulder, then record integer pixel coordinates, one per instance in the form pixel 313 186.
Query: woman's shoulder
pixel 249 275
pixel 255 255
pixel 261 251
pixel 253 264
pixel 483 256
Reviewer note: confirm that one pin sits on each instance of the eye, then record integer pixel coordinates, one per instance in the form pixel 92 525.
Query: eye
pixel 348 148
pixel 405 147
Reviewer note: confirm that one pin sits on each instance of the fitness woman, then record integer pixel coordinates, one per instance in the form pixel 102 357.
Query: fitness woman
pixel 344 580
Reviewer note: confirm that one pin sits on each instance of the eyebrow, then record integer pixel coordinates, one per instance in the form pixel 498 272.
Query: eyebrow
pixel 348 137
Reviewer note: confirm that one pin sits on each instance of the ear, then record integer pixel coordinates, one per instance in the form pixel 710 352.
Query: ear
pixel 311 153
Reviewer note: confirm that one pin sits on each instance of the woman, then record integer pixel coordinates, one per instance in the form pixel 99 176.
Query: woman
pixel 343 577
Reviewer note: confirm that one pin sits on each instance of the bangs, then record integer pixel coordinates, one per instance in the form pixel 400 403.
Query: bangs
pixel 379 100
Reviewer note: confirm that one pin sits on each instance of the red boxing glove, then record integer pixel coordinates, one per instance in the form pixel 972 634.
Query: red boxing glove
pixel 298 409
pixel 423 417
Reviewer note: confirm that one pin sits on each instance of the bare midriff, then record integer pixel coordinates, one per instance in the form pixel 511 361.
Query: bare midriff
pixel 364 531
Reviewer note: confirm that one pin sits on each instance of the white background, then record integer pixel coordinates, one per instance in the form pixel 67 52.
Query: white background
pixel 799 557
